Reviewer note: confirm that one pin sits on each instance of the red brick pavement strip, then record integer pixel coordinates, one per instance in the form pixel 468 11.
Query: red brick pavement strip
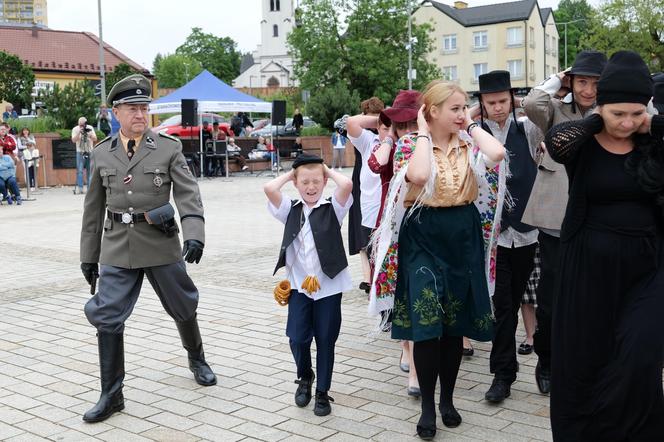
pixel 48 356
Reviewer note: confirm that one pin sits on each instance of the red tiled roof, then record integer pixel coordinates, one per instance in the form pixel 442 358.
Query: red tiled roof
pixel 60 51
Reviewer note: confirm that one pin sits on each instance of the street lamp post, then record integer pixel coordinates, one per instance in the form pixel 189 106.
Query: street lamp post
pixel 410 48
pixel 102 70
pixel 565 24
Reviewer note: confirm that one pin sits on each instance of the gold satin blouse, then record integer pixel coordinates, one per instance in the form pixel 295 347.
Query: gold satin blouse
pixel 455 185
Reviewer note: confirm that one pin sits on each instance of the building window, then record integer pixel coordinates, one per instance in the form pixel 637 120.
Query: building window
pixel 274 5
pixel 480 40
pixel 275 31
pixel 532 37
pixel 450 73
pixel 547 69
pixel 516 69
pixel 531 73
pixel 449 43
pixel 273 82
pixel 514 36
pixel 554 46
pixel 479 69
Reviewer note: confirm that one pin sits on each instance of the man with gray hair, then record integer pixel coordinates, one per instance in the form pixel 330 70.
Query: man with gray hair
pixel 129 228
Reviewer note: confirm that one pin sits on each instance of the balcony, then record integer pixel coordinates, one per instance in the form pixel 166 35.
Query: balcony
pixel 479 48
pixel 474 80
pixel 518 44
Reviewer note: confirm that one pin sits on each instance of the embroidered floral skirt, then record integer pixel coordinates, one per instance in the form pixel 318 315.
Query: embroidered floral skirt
pixel 441 284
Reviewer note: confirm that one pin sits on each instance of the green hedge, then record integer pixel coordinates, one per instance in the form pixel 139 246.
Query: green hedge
pixel 314 131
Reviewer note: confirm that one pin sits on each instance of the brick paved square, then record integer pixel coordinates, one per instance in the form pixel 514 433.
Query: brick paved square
pixel 49 363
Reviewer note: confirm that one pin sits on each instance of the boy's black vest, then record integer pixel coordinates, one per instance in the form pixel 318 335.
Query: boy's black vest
pixel 523 171
pixel 327 237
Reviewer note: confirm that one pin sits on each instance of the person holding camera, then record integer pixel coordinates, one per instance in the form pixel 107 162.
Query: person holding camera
pixel 129 227
pixel 84 137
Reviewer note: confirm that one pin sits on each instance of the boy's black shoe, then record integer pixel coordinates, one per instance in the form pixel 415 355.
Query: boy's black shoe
pixel 322 407
pixel 303 392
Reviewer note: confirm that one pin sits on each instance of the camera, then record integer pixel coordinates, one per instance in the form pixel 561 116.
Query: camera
pixel 87 129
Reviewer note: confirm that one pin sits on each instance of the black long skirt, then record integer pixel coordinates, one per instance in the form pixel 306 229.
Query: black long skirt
pixel 358 235
pixel 608 338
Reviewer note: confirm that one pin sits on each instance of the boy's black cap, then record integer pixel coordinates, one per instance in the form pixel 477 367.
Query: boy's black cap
pixel 305 158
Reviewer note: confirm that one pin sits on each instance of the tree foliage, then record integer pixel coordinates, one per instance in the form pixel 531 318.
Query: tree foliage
pixel 66 104
pixel 331 102
pixel 636 25
pixel 219 55
pixel 121 71
pixel 175 70
pixel 366 49
pixel 569 11
pixel 16 80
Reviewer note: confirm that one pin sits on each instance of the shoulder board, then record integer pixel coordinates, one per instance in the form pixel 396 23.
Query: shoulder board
pixel 168 136
pixel 103 141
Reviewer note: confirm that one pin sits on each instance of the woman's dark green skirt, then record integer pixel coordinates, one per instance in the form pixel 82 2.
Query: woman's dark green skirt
pixel 441 283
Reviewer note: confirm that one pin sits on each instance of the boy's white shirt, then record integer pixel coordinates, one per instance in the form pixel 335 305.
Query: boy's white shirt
pixel 304 248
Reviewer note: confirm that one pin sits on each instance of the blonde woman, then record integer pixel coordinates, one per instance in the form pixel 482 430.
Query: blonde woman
pixel 441 292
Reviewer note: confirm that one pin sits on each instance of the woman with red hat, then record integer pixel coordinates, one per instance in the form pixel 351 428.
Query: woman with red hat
pixel 444 193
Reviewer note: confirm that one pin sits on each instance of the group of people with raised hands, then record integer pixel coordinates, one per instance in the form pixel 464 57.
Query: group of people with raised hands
pixel 468 206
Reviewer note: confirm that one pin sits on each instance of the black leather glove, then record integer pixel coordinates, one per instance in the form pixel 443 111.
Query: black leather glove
pixel 90 270
pixel 192 251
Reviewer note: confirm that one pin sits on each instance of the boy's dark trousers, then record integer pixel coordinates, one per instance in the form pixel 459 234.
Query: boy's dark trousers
pixel 308 319
pixel 513 268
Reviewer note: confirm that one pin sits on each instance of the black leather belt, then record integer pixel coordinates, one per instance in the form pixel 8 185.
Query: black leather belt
pixel 126 217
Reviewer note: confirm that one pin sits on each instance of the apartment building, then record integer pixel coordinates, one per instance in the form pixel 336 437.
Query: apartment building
pixel 24 11
pixel 519 37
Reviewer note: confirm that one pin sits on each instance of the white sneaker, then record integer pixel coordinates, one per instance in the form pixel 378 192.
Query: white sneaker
pixel 32 189
pixel 245 167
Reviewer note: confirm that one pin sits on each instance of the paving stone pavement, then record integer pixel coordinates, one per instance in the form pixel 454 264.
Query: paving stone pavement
pixel 48 354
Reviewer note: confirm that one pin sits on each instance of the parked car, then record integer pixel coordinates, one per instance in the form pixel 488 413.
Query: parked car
pixel 260 124
pixel 173 126
pixel 284 131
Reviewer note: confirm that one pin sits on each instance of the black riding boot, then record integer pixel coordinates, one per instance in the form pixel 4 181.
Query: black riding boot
pixel 191 341
pixel 111 366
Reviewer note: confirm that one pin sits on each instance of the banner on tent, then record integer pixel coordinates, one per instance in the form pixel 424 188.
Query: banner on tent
pixel 213 106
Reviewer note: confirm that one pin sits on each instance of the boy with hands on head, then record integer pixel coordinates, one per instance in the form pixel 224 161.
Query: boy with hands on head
pixel 312 251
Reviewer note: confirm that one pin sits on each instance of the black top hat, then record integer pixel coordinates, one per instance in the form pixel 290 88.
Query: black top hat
pixel 590 63
pixel 305 158
pixel 658 94
pixel 494 81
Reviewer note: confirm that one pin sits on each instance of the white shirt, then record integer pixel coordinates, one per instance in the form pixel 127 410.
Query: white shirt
pixel 370 187
pixel 510 237
pixel 302 255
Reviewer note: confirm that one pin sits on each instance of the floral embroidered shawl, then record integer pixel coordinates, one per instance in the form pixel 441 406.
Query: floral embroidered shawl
pixel 384 241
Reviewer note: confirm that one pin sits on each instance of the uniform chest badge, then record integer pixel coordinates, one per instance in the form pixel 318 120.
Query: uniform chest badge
pixel 149 141
pixel 127 179
pixel 157 181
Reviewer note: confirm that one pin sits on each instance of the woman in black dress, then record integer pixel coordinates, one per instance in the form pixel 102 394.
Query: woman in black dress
pixel 608 339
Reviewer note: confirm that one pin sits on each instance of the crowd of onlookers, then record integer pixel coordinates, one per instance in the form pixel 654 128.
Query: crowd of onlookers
pixel 17 148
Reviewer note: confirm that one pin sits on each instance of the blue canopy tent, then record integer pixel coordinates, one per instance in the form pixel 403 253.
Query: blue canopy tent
pixel 213 95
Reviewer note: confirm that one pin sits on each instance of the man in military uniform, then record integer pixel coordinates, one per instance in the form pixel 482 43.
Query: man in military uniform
pixel 127 202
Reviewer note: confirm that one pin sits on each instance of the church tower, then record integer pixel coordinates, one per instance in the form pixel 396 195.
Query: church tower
pixel 270 65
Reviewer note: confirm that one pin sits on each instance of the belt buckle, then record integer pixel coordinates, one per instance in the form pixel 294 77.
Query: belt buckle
pixel 127 218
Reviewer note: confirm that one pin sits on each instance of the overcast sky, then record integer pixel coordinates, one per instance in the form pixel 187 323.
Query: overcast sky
pixel 142 28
